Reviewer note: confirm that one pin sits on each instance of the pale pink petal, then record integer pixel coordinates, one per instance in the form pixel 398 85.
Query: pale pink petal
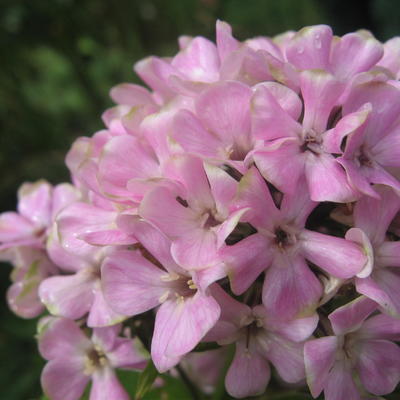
pixel 130 94
pixel 223 187
pixel 310 48
pixel 23 299
pixel 172 218
pixel 271 160
pixel 61 338
pixel 380 175
pixel 107 237
pixel 196 249
pixel 379 366
pixel 253 193
pixel 193 137
pixel 287 98
pixel 128 353
pixel 224 110
pixel 34 202
pixel 131 284
pixel 327 180
pixel 123 158
pixel 356 178
pixel 347 125
pixel 386 152
pixel 249 372
pixel 297 205
pixel 355 52
pixel 69 296
pixel 106 386
pixel 63 195
pixel 245 261
pixel 180 325
pixel 105 337
pixel 269 118
pixel 340 384
pixel 349 317
pixel 101 314
pixel 15 227
pixel 321 92
pixel 290 288
pixel 226 43
pixel 385 101
pixel 373 216
pixel 356 235
pixel 198 61
pixel 389 254
pixel 189 171
pixel 391 57
pixel 63 379
pixel 226 228
pixel 381 327
pixel 319 357
pixel 339 257
pixel 286 356
pixel 154 241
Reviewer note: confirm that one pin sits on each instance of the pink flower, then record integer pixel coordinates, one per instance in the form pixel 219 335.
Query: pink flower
pixel 74 360
pixel 361 347
pixel 260 339
pixel 281 246
pixel 133 285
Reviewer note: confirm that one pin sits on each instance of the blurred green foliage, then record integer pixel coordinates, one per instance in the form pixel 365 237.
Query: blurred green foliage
pixel 59 58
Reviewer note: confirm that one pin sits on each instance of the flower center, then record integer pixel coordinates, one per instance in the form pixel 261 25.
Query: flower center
pixel 311 142
pixel 284 238
pixel 95 359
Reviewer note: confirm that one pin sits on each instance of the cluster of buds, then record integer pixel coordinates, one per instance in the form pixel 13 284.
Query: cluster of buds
pixel 249 198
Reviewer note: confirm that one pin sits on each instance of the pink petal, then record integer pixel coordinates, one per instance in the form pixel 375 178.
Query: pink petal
pixel 193 137
pixel 127 353
pixel 327 180
pixel 224 110
pixel 130 94
pixel 290 288
pixel 198 61
pixel 286 356
pixel 179 327
pixel 319 357
pixel 310 48
pixel 106 386
pixel 382 287
pixel 253 193
pixel 64 379
pixel 341 258
pixel 107 237
pixel 389 254
pixel 226 43
pixel 381 327
pixel 172 218
pixel 249 372
pixel 391 56
pixel 349 317
pixel 131 284
pixel 271 160
pixel 379 366
pixel 101 314
pixel 69 296
pixel 270 120
pixel 245 261
pixel 61 338
pixel 373 216
pixel 34 202
pixel 15 227
pixel 287 98
pixel 196 249
pixel 321 92
pixel 386 151
pixel 340 384
pixel 367 49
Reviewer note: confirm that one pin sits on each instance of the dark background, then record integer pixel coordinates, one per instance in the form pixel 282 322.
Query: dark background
pixel 58 60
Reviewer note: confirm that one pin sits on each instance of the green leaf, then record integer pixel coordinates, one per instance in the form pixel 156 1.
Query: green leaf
pixel 146 380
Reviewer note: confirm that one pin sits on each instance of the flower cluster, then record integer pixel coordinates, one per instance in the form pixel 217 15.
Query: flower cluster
pixel 249 196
